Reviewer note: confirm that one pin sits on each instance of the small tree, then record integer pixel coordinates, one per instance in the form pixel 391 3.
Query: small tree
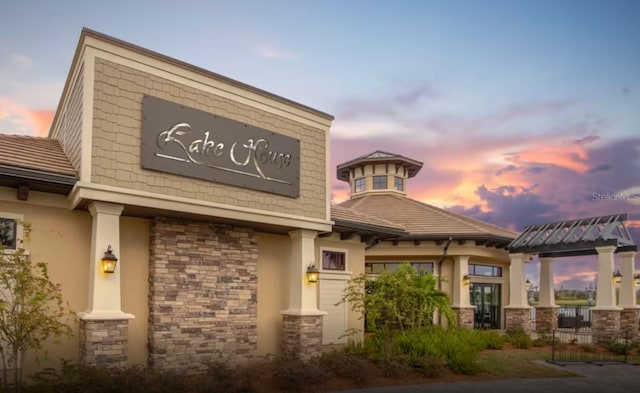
pixel 399 301
pixel 31 308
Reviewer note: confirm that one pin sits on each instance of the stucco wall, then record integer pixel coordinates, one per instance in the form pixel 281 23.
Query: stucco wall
pixel 134 281
pixel 116 144
pixel 273 284
pixel 62 239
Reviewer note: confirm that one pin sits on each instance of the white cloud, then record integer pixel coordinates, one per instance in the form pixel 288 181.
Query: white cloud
pixel 20 61
pixel 274 53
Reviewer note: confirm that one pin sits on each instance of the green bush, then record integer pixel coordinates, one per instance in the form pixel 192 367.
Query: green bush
pixel 456 346
pixel 489 339
pixel 518 338
pixel 543 339
pixel 429 366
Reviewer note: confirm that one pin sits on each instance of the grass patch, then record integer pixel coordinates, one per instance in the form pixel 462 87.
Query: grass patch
pixel 519 363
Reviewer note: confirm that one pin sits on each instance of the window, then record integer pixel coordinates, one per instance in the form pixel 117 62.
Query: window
pixel 8 233
pixel 359 185
pixel 398 183
pixel 380 182
pixel 379 267
pixel 333 260
pixel 485 270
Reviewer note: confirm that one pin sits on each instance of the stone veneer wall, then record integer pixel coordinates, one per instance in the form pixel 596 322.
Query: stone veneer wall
pixel 104 343
pixel 465 316
pixel 302 336
pixel 546 319
pixel 629 322
pixel 605 324
pixel 518 317
pixel 202 294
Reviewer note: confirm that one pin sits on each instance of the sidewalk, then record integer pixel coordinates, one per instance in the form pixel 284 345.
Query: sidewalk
pixel 591 378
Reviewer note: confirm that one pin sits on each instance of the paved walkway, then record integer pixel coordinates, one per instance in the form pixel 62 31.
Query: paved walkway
pixel 609 378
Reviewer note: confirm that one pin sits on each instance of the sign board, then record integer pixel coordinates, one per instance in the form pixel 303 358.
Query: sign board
pixel 193 143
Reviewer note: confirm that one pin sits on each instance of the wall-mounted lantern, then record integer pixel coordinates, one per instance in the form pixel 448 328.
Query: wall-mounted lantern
pixel 109 261
pixel 312 272
pixel 636 278
pixel 527 284
pixel 617 277
pixel 466 280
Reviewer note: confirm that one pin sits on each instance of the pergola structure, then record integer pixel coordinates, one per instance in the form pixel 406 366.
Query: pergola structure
pixel 602 236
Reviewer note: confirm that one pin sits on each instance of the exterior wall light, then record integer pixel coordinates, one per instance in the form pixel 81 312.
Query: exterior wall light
pixel 109 261
pixel 636 278
pixel 617 277
pixel 466 280
pixel 312 273
pixel 527 284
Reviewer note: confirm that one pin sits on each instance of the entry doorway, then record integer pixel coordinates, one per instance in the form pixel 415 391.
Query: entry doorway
pixel 486 299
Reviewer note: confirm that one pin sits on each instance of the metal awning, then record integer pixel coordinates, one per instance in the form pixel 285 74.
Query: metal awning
pixel 574 237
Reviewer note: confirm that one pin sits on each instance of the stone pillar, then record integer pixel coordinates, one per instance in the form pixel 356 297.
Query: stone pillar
pixel 103 325
pixel 605 315
pixel 546 310
pixel 302 321
pixel 518 311
pixel 461 303
pixel 630 311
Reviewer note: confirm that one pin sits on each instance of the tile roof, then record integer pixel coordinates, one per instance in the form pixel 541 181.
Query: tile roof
pixel 345 214
pixel 40 154
pixel 424 220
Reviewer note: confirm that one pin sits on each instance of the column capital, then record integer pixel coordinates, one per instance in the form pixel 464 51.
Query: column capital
pixel 303 234
pixel 105 208
pixel 628 254
pixel 606 249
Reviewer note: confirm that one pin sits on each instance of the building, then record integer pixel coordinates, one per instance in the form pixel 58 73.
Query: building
pixel 214 197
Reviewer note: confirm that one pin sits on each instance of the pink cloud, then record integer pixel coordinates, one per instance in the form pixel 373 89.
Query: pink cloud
pixel 30 121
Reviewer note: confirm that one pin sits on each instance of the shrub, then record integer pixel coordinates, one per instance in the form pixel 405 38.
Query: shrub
pixel 85 379
pixel 543 339
pixel 518 338
pixel 489 339
pixel 293 375
pixel 345 365
pixel 429 366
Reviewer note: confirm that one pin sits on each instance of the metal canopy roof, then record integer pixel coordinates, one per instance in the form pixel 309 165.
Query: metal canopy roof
pixel 574 237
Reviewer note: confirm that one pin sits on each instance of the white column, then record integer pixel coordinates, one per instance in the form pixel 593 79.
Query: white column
pixel 606 296
pixel 303 295
pixel 104 288
pixel 627 287
pixel 546 294
pixel 460 291
pixel 517 289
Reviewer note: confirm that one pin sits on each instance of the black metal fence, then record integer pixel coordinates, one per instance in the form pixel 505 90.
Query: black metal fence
pixel 574 317
pixel 575 346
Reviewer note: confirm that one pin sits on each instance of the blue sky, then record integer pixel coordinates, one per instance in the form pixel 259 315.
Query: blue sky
pixel 522 111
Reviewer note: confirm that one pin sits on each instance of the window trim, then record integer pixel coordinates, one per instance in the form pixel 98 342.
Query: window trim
pixel 364 184
pixel 334 271
pixel 395 183
pixel 386 182
pixel 493 267
pixel 19 219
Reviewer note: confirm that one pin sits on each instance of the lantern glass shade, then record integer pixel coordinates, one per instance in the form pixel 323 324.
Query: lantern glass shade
pixel 527 284
pixel 312 273
pixel 617 277
pixel 466 280
pixel 109 261
pixel 636 278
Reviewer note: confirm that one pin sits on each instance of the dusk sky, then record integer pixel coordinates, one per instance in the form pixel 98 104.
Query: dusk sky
pixel 523 112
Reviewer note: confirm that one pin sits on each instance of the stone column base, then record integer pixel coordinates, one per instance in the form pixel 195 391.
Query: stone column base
pixel 104 343
pixel 465 316
pixel 629 322
pixel 301 336
pixel 605 324
pixel 546 319
pixel 518 317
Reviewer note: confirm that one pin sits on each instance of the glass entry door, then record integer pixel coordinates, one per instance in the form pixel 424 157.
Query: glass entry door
pixel 486 299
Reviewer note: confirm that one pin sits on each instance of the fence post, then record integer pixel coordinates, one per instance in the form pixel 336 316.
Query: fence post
pixel 553 347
